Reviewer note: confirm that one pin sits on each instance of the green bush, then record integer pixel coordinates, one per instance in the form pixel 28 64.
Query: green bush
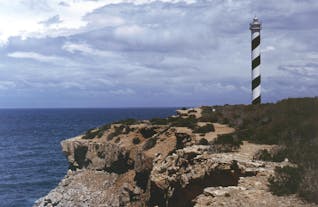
pixel 182 139
pixel 189 122
pixel 150 143
pixel 276 156
pixel 308 188
pixel 111 136
pixel 100 134
pixel 280 155
pixel 90 134
pixel 204 129
pixel 286 180
pixel 207 115
pixel 203 141
pixel 263 155
pixel 118 130
pixel 127 121
pixel 147 132
pixel 136 140
pixel 105 127
pixel 228 139
pixel 159 121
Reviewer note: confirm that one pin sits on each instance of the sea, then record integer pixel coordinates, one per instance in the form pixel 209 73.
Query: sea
pixel 31 159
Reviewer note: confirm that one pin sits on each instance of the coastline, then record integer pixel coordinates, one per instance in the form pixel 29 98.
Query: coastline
pixel 166 163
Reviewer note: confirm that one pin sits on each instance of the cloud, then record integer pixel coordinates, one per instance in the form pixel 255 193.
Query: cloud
pixel 268 48
pixel 86 49
pixel 126 91
pixel 52 20
pixel 68 18
pixel 162 52
pixel 309 70
pixel 63 3
pixel 35 56
pixel 129 31
pixel 4 85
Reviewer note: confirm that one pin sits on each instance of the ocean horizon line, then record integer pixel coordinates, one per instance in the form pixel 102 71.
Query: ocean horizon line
pixel 133 107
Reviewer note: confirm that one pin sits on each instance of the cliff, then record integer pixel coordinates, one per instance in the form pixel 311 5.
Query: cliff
pixel 178 161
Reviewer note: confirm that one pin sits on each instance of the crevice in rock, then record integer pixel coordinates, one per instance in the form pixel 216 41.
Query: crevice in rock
pixel 182 196
pixel 157 196
pixel 80 157
pixel 121 165
pixel 142 179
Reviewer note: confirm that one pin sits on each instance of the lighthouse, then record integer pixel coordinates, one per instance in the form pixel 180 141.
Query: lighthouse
pixel 255 28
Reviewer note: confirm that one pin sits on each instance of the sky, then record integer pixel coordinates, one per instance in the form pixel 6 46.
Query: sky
pixel 153 53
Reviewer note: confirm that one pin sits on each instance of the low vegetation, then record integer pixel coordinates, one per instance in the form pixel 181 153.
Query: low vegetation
pixel 227 143
pixel 127 122
pixel 159 121
pixel 149 143
pixel 292 123
pixel 98 132
pixel 204 129
pixel 190 122
pixel 271 156
pixel 147 132
pixel 203 141
pixel 286 180
pixel 136 140
pixel 118 130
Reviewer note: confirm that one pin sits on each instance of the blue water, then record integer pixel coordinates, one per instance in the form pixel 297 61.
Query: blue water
pixel 31 160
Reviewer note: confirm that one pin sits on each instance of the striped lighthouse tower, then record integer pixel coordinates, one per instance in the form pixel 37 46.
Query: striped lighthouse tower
pixel 255 28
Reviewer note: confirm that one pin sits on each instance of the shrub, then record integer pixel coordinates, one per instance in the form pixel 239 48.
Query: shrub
pixel 105 127
pixel 263 155
pixel 90 134
pixel 182 139
pixel 117 131
pixel 117 140
pixel 189 122
pixel 204 129
pixel 111 136
pixel 159 121
pixel 278 155
pixel 308 188
pixel 147 132
pixel 127 121
pixel 100 134
pixel 125 129
pixel 286 180
pixel 150 143
pixel 207 115
pixel 228 139
pixel 203 141
pixel 136 140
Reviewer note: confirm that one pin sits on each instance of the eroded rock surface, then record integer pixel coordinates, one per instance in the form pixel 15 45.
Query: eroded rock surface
pixel 161 165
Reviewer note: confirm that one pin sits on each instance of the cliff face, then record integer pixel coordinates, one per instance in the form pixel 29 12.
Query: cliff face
pixel 163 163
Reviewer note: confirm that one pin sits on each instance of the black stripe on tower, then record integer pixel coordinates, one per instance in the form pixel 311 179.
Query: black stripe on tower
pixel 256 82
pixel 256 41
pixel 257 100
pixel 256 62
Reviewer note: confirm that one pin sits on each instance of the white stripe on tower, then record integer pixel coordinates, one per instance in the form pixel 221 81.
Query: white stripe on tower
pixel 255 28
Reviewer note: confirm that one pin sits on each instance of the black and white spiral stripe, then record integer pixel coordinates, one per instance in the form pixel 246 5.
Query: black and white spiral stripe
pixel 256 73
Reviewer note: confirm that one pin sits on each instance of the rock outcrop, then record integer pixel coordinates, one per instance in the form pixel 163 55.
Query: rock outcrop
pixel 145 164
